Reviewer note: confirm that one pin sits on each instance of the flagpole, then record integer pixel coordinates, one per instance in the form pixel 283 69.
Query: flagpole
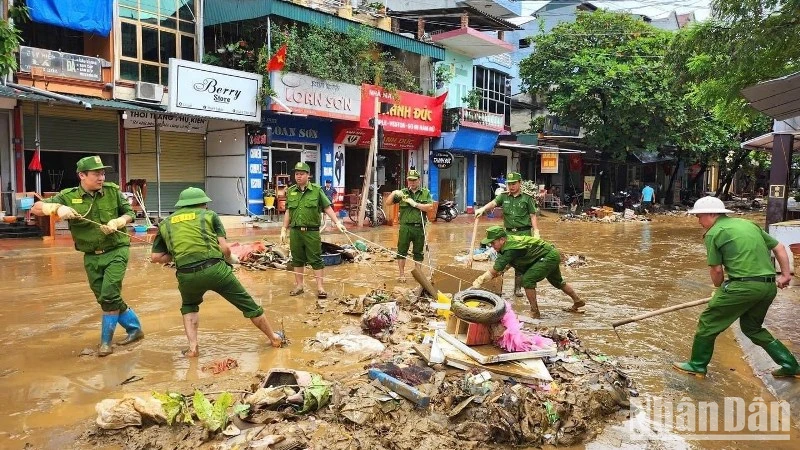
pixel 37 154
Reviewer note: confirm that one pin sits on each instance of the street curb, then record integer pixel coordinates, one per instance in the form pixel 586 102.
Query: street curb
pixel 783 389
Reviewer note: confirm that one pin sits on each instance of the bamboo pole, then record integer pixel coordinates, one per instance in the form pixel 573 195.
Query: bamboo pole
pixel 658 312
pixel 373 150
pixel 472 244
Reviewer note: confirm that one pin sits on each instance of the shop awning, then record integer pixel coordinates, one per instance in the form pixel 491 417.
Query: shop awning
pixel 9 92
pixel 778 98
pixel 537 148
pixel 764 142
pixel 467 140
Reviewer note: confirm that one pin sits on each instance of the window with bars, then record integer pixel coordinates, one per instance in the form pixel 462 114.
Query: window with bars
pixel 152 32
pixel 494 92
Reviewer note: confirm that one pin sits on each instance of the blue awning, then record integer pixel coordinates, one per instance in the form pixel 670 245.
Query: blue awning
pixel 468 140
pixel 91 16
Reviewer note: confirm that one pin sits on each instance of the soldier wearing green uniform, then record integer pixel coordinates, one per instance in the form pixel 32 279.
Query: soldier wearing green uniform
pixel 742 248
pixel 519 215
pixel 96 211
pixel 194 238
pixel 304 203
pixel 415 202
pixel 531 257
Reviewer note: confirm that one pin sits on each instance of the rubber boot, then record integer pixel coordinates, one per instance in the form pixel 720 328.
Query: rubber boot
pixel 781 355
pixel 130 322
pixel 107 333
pixel 518 286
pixel 702 349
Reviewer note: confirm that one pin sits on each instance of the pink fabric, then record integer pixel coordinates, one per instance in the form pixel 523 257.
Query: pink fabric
pixel 516 340
pixel 245 251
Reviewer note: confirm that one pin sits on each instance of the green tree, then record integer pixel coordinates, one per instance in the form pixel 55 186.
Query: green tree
pixel 10 36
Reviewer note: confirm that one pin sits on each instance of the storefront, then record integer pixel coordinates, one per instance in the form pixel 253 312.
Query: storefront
pixel 459 159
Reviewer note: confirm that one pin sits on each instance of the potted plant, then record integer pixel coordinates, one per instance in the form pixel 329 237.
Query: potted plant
pixel 444 73
pixel 537 126
pixel 269 198
pixel 473 98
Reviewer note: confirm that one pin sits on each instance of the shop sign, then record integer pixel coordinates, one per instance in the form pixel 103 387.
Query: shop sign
pixel 210 91
pixel 549 162
pixel 415 114
pixel 588 182
pixel 555 127
pixel 442 160
pixel 166 122
pixel 59 64
pixel 312 96
pixel 361 137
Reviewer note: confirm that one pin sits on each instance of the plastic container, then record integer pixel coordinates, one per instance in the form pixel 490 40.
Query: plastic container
pixel 25 203
pixel 140 228
pixel 332 259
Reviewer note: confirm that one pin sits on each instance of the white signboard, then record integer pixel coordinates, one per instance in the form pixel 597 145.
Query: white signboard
pixel 166 122
pixel 210 91
pixel 316 97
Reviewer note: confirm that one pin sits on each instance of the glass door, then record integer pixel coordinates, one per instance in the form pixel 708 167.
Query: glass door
pixel 452 182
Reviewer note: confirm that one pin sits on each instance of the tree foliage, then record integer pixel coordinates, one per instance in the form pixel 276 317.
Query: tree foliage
pixel 10 37
pixel 606 72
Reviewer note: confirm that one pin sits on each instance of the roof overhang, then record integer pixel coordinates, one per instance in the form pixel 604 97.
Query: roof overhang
pixel 536 148
pixel 778 98
pixel 764 142
pixel 472 43
pixel 450 18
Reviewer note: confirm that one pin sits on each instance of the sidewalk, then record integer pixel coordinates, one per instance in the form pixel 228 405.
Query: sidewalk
pixel 783 321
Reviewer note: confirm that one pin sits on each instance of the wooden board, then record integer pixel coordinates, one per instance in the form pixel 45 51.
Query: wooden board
pixel 529 371
pixel 451 279
pixel 489 354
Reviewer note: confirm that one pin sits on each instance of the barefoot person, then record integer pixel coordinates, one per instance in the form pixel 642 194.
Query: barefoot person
pixel 532 257
pixel 105 250
pixel 519 215
pixel 304 203
pixel 415 202
pixel 740 249
pixel 194 238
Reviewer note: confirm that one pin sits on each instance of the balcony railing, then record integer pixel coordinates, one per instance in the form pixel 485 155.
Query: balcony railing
pixel 472 118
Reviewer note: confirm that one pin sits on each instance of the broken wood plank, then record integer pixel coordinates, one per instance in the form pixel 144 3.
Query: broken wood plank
pixel 530 371
pixel 488 354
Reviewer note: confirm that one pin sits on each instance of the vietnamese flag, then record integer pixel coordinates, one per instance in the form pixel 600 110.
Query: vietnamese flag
pixel 278 61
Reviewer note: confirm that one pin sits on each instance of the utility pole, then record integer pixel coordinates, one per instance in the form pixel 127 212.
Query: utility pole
pixel 371 167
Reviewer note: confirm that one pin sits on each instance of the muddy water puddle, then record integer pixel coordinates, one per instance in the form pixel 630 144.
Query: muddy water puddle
pixel 49 317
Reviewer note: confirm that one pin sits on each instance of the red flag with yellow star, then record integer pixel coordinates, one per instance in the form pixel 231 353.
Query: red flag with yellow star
pixel 278 60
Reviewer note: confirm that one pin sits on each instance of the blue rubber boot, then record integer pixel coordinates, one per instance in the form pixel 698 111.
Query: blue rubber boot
pixel 107 333
pixel 130 322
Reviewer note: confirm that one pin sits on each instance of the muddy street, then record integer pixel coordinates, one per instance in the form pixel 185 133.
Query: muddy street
pixel 50 317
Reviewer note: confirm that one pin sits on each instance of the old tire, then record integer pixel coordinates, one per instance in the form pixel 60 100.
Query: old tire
pixel 490 311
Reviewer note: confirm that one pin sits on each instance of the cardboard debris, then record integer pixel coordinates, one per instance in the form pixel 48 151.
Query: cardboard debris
pixel 489 354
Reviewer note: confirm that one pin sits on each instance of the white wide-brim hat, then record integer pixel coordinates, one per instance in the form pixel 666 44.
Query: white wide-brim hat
pixel 709 205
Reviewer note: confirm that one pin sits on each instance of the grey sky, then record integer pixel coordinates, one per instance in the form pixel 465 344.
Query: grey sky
pixel 652 8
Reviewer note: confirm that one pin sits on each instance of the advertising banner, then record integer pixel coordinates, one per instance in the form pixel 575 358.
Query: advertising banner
pixel 549 162
pixel 409 113
pixel 304 94
pixel 203 90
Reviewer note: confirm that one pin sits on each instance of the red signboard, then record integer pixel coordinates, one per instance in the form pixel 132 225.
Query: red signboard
pixel 409 114
pixel 360 137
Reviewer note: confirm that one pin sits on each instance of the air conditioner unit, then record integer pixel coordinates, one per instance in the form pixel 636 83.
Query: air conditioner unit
pixel 150 92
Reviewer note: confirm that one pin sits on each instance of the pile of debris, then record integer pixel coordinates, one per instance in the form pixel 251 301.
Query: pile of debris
pixel 605 215
pixel 425 384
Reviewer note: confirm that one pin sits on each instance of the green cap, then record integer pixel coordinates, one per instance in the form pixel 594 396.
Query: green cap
pixel 412 175
pixel 492 233
pixel 302 166
pixel 91 163
pixel 192 196
pixel 513 177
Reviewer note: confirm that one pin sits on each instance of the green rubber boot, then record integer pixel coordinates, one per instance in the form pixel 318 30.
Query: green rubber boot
pixel 702 349
pixel 781 355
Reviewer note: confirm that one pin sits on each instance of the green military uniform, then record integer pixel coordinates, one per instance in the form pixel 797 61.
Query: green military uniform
pixel 517 210
pixel 105 256
pixel 304 207
pixel 412 222
pixel 534 258
pixel 190 236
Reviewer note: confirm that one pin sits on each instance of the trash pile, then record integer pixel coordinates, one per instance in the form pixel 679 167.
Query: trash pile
pixel 573 260
pixel 479 254
pixel 604 215
pixel 423 384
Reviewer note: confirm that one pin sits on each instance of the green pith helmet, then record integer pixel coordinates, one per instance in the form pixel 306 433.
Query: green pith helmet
pixel 301 166
pixel 413 174
pixel 91 163
pixel 192 196
pixel 492 233
pixel 513 177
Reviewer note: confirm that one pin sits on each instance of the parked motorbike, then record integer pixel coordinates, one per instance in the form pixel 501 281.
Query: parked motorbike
pixel 447 210
pixel 623 200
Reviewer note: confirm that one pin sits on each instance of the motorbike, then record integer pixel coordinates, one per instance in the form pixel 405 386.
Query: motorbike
pixel 623 200
pixel 447 210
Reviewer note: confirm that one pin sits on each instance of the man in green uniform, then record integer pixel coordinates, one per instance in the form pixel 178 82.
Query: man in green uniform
pixel 415 202
pixel 96 211
pixel 304 203
pixel 194 238
pixel 742 248
pixel 532 257
pixel 519 215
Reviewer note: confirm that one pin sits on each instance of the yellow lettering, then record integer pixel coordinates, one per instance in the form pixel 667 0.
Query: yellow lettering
pixel 182 217
pixel 77 200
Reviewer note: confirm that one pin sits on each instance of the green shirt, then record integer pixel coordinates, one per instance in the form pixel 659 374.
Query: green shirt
pixel 520 252
pixel 409 215
pixel 101 207
pixel 306 205
pixel 190 236
pixel 516 210
pixel 740 246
